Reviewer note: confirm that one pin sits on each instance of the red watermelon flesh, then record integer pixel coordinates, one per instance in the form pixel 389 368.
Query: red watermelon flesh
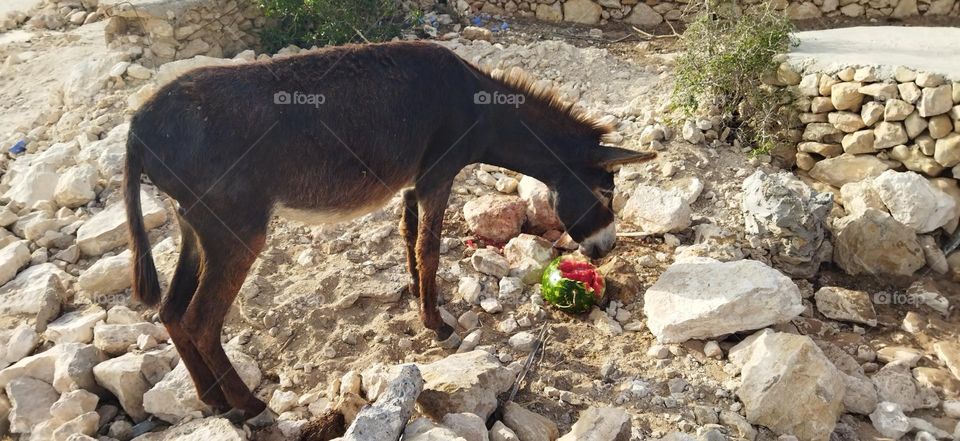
pixel 582 272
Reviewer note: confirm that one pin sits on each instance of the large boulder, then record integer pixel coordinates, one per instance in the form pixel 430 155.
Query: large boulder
pixel 873 242
pixel 847 168
pixel 790 217
pixel 30 401
pixel 704 298
pixel 108 276
pixel 913 201
pixel 778 365
pixel 495 217
pixel 467 382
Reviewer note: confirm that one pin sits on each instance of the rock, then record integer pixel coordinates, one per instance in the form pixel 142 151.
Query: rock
pixel 551 13
pixel 847 305
pixel 73 404
pixel 30 401
pixel 600 424
pixel 790 215
pixel 820 105
pixel 488 261
pixel 936 260
pixel 895 384
pixel 22 341
pixel 871 112
pixel 101 280
pixel 909 92
pixel 859 196
pixel 822 132
pixel 889 134
pixel 495 217
pixel 115 339
pixel 604 323
pixel 846 96
pixel 528 255
pixel 935 100
pixel 907 355
pixel 803 11
pixel 825 150
pixel 847 168
pixel 34 296
pixel 656 210
pixel 940 126
pixel 643 16
pixel 949 353
pixel 75 187
pixel 13 257
pixel 541 215
pixel 175 397
pixel 467 382
pixel 704 298
pixel 897 110
pixel 284 400
pixel 76 326
pixel 859 142
pixel 529 426
pixel 500 432
pixel 785 365
pixel 581 11
pixel 940 381
pixel 85 424
pixel 913 201
pixel 388 416
pixel 880 91
pixel 469 289
pixel 422 429
pixel 467 426
pixel 523 341
pixel 204 429
pixel 129 376
pixel 947 151
pixel 108 229
pixel 890 421
pixel 33 185
pixel 915 124
pixel 873 242
pixel 914 160
pixel 860 395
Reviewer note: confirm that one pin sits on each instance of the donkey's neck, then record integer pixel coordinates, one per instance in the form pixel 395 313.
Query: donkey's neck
pixel 534 137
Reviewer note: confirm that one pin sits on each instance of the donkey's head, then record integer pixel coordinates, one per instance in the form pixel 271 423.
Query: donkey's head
pixel 584 197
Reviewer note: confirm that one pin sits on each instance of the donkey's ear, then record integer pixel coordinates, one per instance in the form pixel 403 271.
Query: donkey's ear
pixel 609 156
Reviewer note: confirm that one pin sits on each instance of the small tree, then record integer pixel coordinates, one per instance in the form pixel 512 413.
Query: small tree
pixel 726 53
pixel 329 22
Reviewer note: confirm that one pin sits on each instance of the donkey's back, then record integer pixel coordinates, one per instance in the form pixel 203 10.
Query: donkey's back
pixel 291 132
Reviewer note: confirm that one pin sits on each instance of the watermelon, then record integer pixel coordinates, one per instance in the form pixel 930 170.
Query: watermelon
pixel 572 284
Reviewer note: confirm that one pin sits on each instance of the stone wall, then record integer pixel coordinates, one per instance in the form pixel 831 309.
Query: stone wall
pixel 650 13
pixel 160 31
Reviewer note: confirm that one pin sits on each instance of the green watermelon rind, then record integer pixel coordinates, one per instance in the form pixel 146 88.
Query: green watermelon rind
pixel 567 295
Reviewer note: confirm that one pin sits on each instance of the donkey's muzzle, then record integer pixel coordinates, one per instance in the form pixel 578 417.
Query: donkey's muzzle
pixel 599 243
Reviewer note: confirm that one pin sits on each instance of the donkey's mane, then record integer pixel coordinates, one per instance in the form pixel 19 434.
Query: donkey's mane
pixel 520 81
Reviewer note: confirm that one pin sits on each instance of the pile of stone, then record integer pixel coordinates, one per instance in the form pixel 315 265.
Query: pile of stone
pixel 642 14
pixel 856 124
pixel 53 15
pixel 164 31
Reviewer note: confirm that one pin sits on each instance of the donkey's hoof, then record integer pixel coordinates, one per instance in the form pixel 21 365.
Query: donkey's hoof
pixel 451 342
pixel 235 416
pixel 264 419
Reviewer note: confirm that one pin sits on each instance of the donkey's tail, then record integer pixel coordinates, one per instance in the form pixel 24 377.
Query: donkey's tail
pixel 146 286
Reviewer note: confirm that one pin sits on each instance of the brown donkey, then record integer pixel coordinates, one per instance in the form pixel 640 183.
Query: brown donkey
pixel 328 136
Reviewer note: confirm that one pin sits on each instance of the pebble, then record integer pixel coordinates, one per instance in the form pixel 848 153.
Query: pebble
pixel 523 341
pixel 491 305
pixel 659 352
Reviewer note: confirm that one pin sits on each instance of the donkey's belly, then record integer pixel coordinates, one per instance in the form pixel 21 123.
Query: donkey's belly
pixel 326 215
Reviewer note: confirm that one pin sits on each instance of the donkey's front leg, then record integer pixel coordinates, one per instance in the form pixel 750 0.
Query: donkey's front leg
pixel 433 201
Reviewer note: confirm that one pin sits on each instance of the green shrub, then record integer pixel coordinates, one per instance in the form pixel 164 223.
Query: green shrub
pixel 307 23
pixel 726 53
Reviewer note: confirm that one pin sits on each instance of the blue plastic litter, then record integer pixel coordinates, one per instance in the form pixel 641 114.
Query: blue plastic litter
pixel 19 147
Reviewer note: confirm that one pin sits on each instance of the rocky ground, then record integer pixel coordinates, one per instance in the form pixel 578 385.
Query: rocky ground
pixel 716 245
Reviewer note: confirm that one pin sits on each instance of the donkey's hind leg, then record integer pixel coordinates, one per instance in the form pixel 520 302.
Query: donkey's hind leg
pixel 182 288
pixel 408 228
pixel 228 253
pixel 433 202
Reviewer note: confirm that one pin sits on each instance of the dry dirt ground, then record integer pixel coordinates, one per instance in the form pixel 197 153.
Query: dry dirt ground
pixel 321 301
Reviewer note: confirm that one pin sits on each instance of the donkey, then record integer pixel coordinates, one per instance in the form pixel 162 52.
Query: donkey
pixel 328 136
